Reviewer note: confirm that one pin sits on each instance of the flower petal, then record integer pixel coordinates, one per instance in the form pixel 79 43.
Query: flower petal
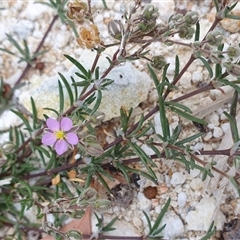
pixel 49 139
pixel 61 147
pixel 66 124
pixel 72 138
pixel 53 124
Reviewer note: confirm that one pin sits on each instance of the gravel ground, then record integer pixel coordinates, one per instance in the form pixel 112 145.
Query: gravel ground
pixel 194 204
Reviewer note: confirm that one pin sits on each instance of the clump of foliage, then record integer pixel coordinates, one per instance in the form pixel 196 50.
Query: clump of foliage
pixel 59 147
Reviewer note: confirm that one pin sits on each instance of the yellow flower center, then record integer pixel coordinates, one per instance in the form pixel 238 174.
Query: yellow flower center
pixel 59 135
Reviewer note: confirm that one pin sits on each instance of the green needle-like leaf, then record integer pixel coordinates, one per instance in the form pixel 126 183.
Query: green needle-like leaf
pixel 25 121
pixel 207 65
pixel 188 116
pixel 77 64
pixel 154 229
pixel 69 90
pixel 177 64
pixel 233 126
pixel 97 102
pixel 61 97
pixel 34 113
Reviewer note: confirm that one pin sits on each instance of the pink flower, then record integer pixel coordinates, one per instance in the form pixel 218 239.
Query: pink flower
pixel 60 135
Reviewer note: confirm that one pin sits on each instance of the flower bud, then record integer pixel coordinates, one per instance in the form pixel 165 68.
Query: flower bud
pixel 191 18
pixel 214 38
pixel 2 161
pixel 186 32
pixel 175 19
pixel 89 194
pixel 8 147
pixel 146 27
pixel 91 146
pixel 115 29
pixel 150 12
pixel 233 52
pixel 102 205
pixel 158 62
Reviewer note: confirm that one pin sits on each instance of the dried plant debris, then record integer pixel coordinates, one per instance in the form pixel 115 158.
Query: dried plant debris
pixel 121 195
pixel 231 230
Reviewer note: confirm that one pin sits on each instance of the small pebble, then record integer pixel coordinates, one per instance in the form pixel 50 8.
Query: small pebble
pixel 208 136
pixel 197 77
pixel 225 127
pixel 143 203
pixel 150 192
pixel 98 18
pixel 214 119
pixel 63 39
pixel 182 199
pixel 185 81
pixel 178 178
pixel 217 132
pixel 198 146
pixel 196 184
pixel 210 126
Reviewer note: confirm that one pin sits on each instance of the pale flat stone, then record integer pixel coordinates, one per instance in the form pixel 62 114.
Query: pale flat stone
pixel 178 178
pixel 182 199
pixel 174 226
pixel 62 39
pixel 205 212
pixel 35 11
pixel 196 184
pixel 130 87
pixel 166 9
pixel 185 81
pixel 217 132
pixel 143 203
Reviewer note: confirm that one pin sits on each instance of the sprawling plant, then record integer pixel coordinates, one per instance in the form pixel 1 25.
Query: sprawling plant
pixel 42 159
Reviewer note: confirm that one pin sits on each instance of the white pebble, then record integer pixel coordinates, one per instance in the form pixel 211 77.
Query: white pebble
pixel 225 127
pixel 174 226
pixel 198 146
pixel 147 150
pixel 193 173
pixel 217 132
pixel 23 29
pixel 182 199
pixel 219 111
pixel 166 9
pixel 208 136
pixel 143 203
pixel 35 12
pixel 196 184
pixel 178 178
pixel 62 39
pixel 210 126
pixel 185 81
pixel 197 77
pixel 98 18
pixel 214 119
